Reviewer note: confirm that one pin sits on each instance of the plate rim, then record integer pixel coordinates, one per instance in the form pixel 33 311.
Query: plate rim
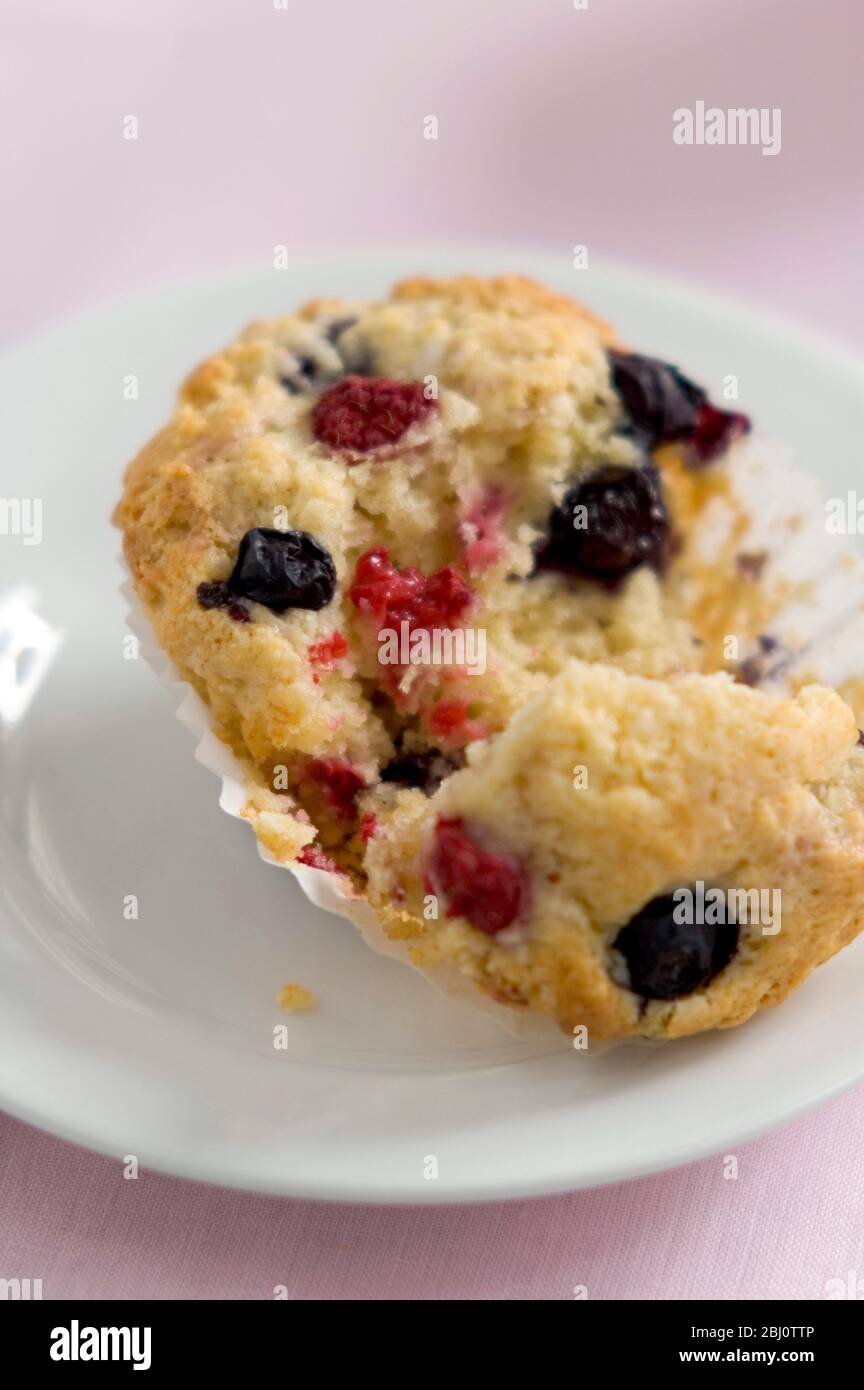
pixel 212 1175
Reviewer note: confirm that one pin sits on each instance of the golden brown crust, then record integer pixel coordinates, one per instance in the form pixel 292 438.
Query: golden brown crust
pixel 515 294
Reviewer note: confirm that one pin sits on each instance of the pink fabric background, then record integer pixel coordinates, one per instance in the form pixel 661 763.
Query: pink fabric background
pixel 260 126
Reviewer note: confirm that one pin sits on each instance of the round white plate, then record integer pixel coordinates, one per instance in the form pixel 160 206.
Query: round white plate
pixel 153 1036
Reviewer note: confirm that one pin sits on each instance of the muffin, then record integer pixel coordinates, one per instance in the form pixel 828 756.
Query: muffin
pixel 436 566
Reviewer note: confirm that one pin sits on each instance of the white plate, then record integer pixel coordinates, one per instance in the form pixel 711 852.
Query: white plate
pixel 153 1036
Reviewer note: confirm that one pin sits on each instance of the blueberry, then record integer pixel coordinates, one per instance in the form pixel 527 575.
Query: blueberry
pixel 335 329
pixel 426 771
pixel 660 402
pixel 283 569
pixel 310 375
pixel 621 523
pixel 218 595
pixel 668 959
pixel 305 375
pixel 770 658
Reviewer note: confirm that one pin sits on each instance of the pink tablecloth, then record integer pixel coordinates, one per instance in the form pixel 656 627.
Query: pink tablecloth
pixel 791 1222
pixel 302 125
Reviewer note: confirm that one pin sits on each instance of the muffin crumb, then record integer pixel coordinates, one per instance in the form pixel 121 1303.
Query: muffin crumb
pixel 296 999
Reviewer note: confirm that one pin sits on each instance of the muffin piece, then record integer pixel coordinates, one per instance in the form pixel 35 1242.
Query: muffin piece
pixel 545 868
pixel 376 537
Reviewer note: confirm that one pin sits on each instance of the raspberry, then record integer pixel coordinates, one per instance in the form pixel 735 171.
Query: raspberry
pixel 317 859
pixel 449 721
pixel 359 414
pixel 340 782
pixel 328 651
pixel 368 826
pixel 390 596
pixel 490 890
pixel 481 532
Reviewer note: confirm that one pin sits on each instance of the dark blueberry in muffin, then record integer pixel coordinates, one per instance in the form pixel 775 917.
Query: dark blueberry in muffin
pixel 661 404
pixel 609 525
pixel 426 771
pixel 668 959
pixel 218 595
pixel 308 374
pixel 769 659
pixel 305 375
pixel 335 329
pixel 283 569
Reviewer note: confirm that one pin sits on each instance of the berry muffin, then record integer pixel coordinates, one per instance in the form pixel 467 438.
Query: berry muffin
pixel 434 565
